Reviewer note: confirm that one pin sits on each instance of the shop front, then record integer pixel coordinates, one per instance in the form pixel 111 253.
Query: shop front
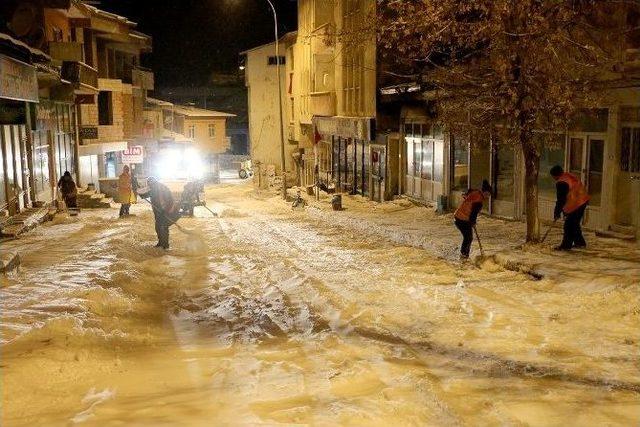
pixel 478 157
pixel 424 154
pixel 53 146
pixel 18 88
pixel 343 153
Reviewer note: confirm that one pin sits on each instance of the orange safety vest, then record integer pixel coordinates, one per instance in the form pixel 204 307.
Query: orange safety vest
pixel 464 210
pixel 577 193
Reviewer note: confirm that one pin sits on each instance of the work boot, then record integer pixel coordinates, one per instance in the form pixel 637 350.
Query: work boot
pixel 561 248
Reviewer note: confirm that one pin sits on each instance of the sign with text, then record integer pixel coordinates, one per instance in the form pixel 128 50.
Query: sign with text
pixel 133 155
pixel 18 81
pixel 88 132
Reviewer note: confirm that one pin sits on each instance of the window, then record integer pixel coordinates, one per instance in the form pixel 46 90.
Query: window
pixel 105 108
pixel 630 150
pixel 353 62
pixel 427 159
pixel 192 131
pixel 212 131
pixel 552 154
pixel 271 60
pixel 504 168
pixel 596 158
pixel 460 164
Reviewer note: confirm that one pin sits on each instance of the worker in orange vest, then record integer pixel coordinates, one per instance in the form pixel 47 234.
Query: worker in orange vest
pixel 467 214
pixel 571 200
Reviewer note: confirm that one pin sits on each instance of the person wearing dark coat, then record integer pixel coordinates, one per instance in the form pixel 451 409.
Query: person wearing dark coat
pixel 165 210
pixel 467 214
pixel 68 189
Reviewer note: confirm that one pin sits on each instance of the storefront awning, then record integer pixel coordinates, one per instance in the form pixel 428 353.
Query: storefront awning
pixel 102 148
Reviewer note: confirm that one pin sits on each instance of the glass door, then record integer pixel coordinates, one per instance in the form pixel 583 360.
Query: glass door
pixel 576 157
pixel 594 170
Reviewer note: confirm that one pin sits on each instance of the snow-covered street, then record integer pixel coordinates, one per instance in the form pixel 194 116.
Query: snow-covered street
pixel 269 315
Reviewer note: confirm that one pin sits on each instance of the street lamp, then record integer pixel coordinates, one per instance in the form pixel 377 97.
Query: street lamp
pixel 282 156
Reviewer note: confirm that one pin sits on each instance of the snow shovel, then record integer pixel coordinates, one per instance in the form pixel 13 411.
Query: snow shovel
pixel 212 212
pixel 183 230
pixel 548 230
pixel 479 242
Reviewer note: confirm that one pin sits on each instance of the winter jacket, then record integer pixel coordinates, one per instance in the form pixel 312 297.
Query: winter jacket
pixel 571 194
pixel 125 189
pixel 67 186
pixel 164 207
pixel 470 207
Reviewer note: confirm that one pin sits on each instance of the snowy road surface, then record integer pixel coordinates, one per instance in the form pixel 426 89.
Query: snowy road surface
pixel 268 316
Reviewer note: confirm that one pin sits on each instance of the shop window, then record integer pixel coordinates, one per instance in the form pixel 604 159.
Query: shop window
pixel 417 157
pixel 427 159
pixel 551 155
pixel 596 157
pixel 105 108
pixel 438 160
pixel 504 169
pixel 460 164
pixel 480 162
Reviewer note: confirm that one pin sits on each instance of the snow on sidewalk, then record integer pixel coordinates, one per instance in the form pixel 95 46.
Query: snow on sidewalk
pixel 604 264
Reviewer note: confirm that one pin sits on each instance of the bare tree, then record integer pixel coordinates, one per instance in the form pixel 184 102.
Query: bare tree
pixel 518 69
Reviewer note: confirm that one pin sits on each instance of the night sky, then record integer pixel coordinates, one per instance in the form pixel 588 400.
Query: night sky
pixel 194 38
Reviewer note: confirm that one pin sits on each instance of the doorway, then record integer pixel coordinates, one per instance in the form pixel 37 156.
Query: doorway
pixel 586 161
pixel 628 185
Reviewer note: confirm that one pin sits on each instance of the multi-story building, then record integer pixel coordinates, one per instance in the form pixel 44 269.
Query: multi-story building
pixel 111 120
pixel 329 97
pixel 47 125
pixel 333 102
pixel 261 79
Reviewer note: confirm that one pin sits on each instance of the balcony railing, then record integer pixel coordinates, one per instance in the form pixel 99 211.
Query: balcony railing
pixel 143 78
pixel 66 51
pixel 323 104
pixel 84 77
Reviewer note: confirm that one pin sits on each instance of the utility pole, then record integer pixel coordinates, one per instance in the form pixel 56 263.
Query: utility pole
pixel 278 76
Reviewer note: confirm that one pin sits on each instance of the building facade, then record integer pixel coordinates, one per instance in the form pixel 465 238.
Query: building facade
pixel 261 80
pixel 600 146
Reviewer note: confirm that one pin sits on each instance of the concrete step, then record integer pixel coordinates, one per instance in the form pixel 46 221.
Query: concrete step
pixel 614 235
pixel 623 229
pixel 95 202
pixel 24 221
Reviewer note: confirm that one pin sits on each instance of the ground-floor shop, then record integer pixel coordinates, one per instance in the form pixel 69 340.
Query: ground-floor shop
pixel 602 147
pixel 18 93
pixel 54 146
pixel 342 154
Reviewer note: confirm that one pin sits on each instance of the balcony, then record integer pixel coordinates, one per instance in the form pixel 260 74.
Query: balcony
pixel 142 78
pixel 83 77
pixel 323 104
pixel 66 51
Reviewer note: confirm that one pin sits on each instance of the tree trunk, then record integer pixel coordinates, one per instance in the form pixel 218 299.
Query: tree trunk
pixel 532 168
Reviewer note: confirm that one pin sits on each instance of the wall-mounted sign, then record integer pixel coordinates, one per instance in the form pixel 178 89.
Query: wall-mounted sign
pixel 13 113
pixel 345 127
pixel 18 81
pixel 133 155
pixel 88 132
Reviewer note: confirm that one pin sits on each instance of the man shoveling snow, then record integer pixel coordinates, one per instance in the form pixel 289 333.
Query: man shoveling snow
pixel 165 210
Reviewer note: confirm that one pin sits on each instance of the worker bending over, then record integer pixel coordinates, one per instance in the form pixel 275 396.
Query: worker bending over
pixel 571 200
pixel 467 214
